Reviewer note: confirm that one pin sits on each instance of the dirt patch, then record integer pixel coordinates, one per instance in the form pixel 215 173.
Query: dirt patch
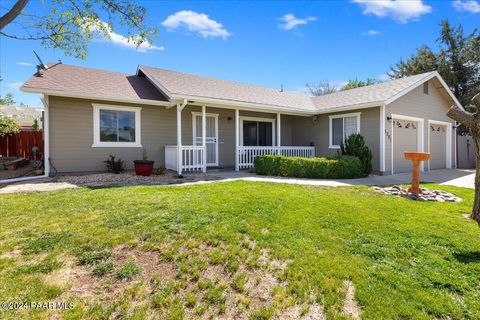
pixel 312 312
pixel 351 307
pixel 205 281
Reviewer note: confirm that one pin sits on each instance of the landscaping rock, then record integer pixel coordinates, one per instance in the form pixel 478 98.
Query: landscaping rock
pixel 425 195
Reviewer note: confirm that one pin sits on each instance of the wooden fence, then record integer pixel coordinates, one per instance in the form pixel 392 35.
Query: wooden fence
pixel 20 144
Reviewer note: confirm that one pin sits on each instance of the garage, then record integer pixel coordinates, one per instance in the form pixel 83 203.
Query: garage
pixel 405 137
pixel 438 146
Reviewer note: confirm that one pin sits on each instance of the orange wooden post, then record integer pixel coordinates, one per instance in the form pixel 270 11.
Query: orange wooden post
pixel 416 158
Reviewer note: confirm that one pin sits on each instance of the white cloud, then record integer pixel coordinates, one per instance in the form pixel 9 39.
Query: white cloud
pixel 104 29
pixel 14 85
pixel 25 64
pixel 289 21
pixel 371 33
pixel 198 23
pixel 471 6
pixel 401 11
pixel 124 42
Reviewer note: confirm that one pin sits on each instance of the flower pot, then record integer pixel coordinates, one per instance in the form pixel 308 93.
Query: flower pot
pixel 143 167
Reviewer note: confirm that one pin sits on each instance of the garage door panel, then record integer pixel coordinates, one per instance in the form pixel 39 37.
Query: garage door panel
pixel 438 146
pixel 405 136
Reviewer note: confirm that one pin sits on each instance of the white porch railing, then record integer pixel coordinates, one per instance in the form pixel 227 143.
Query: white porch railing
pixel 247 155
pixel 193 158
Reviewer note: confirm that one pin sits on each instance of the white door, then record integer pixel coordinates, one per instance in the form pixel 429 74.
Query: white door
pixel 438 146
pixel 405 136
pixel 211 136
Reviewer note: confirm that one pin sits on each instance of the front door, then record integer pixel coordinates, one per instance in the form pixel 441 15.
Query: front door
pixel 211 136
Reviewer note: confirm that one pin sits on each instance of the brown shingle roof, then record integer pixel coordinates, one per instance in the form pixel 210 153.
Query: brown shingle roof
pixel 369 94
pixel 178 83
pixel 92 82
pixel 99 83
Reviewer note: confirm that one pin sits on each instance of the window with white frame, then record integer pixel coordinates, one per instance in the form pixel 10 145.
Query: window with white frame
pixel 116 126
pixel 341 127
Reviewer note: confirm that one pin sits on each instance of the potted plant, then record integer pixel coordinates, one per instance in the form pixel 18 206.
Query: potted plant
pixel 144 167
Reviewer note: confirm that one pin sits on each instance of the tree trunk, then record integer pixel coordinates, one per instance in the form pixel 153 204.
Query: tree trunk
pixel 476 203
pixel 472 122
pixel 12 13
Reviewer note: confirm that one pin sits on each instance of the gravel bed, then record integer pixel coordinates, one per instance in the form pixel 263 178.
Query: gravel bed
pixel 129 178
pixel 425 195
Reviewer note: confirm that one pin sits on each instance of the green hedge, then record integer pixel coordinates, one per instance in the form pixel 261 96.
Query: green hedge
pixel 341 167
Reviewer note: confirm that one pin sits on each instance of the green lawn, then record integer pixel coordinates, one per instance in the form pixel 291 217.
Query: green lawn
pixel 207 250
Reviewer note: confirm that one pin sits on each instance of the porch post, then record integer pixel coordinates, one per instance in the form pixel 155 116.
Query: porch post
pixel 179 139
pixel 237 138
pixel 204 139
pixel 279 133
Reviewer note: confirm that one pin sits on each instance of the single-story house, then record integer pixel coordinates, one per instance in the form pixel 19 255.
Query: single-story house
pixel 188 122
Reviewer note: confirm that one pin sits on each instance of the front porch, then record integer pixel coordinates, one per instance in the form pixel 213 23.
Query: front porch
pixel 217 142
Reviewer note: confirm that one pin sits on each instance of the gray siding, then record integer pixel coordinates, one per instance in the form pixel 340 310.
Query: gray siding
pixel 306 132
pixel 431 106
pixel 71 134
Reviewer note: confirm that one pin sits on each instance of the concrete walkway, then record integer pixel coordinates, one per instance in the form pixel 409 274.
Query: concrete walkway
pixel 453 177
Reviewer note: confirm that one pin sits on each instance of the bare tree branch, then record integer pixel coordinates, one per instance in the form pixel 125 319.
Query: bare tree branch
pixel 12 13
pixel 24 38
pixel 476 101
pixel 464 117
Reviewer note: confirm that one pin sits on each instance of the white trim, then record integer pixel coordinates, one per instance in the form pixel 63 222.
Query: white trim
pixel 246 106
pixel 96 127
pixel 93 97
pixel 204 137
pixel 259 119
pixel 194 133
pixel 455 145
pixel 237 138
pixel 336 116
pixel 382 138
pixel 391 146
pixel 279 130
pixel 420 135
pixel 179 139
pixel 448 137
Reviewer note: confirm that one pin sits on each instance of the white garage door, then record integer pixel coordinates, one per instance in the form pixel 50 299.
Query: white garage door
pixel 438 146
pixel 404 139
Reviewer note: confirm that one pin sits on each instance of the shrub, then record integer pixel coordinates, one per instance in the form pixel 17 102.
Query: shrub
pixel 340 167
pixel 355 146
pixel 114 166
pixel 8 126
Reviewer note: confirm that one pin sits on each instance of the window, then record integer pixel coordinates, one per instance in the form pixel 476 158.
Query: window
pixel 425 87
pixel 342 126
pixel 257 131
pixel 116 126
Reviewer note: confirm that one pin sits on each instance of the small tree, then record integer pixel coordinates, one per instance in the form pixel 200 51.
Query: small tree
pixel 355 146
pixel 8 126
pixel 472 122
pixel 36 125
pixel 352 84
pixel 321 88
pixel 70 25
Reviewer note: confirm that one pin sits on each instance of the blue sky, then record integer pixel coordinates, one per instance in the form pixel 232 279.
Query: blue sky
pixel 259 42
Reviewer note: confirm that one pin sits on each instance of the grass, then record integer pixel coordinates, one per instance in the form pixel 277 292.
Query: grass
pixel 406 259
